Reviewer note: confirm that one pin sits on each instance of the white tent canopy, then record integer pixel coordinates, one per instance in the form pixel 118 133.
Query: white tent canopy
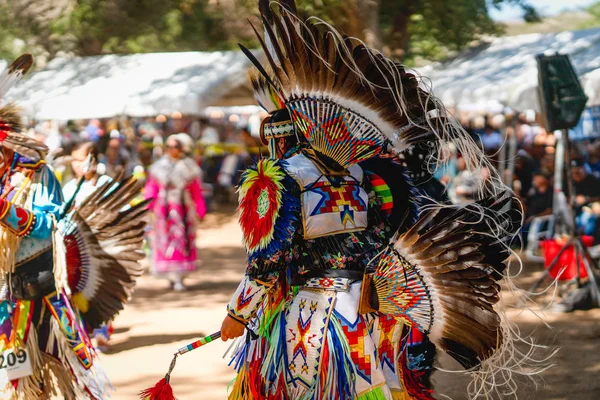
pixel 504 71
pixel 134 85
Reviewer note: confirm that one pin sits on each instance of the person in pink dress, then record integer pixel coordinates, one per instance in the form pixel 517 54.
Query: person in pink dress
pixel 174 184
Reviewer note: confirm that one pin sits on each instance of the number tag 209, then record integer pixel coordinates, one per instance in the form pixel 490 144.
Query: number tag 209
pixel 14 364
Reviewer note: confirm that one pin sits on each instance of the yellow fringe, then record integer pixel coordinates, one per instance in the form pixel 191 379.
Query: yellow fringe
pixel 400 395
pixel 9 242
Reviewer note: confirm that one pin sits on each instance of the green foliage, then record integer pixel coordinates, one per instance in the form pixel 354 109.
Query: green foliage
pixel 404 29
pixel 594 11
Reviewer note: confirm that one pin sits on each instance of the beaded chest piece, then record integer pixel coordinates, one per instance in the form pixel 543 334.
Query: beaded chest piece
pixel 330 205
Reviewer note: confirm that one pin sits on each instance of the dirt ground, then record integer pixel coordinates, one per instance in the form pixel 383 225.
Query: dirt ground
pixel 158 321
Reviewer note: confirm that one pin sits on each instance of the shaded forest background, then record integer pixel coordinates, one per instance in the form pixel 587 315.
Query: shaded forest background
pixel 408 30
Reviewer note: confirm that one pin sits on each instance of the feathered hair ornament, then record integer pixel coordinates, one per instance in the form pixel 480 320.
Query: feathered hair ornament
pixel 10 118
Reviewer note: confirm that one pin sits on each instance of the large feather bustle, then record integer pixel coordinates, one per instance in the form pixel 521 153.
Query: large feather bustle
pixel 104 241
pixel 446 268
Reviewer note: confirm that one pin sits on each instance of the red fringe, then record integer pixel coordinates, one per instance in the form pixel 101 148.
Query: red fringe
pixel 413 381
pixel 161 391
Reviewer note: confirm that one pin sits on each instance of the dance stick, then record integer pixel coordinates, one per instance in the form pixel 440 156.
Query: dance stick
pixel 163 390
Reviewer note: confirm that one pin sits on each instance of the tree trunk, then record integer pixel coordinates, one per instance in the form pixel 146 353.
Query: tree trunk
pixel 398 41
pixel 368 13
pixel 89 46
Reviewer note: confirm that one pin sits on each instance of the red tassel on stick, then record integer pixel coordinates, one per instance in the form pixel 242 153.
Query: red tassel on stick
pixel 161 391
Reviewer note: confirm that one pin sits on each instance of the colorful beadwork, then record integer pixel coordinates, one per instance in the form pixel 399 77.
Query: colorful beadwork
pixel 344 199
pixel 335 131
pixel 248 296
pixel 382 190
pixel 199 343
pixel 17 219
pixel 307 319
pixel 356 333
pixel 70 325
pixel 385 348
pixel 408 297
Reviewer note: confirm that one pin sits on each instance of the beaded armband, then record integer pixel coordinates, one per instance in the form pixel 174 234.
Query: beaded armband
pixel 247 299
pixel 17 219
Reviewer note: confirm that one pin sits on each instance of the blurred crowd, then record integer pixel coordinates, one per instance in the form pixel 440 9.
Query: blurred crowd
pixel 525 153
pixel 131 146
pixel 222 147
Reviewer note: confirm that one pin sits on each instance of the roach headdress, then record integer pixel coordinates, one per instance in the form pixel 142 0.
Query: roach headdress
pixel 10 118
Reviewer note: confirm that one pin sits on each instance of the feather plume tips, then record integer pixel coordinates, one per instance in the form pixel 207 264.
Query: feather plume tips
pixel 265 94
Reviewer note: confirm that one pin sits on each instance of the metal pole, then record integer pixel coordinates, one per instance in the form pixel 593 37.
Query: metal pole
pixel 591 269
pixel 502 156
pixel 570 186
pixel 559 158
pixel 512 151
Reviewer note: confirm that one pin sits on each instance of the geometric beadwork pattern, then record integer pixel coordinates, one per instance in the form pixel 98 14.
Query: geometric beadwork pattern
pixel 386 346
pixel 402 292
pixel 336 131
pixel 306 323
pixel 344 199
pixel 356 333
pixel 247 298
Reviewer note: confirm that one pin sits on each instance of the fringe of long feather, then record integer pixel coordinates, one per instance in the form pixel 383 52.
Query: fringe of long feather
pixel 58 381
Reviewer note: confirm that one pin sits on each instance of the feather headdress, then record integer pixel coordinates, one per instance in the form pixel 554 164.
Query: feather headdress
pixel 10 119
pixel 348 100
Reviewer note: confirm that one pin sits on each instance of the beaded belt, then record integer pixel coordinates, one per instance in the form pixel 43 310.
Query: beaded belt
pixel 336 284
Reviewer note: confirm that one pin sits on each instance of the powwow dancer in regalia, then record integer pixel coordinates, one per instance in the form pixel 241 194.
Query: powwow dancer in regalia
pixel 63 271
pixel 342 252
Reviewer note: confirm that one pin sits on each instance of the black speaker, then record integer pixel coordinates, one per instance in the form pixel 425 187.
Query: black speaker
pixel 562 98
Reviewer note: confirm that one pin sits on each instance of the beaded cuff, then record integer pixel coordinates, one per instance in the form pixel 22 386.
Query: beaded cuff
pixel 17 219
pixel 247 299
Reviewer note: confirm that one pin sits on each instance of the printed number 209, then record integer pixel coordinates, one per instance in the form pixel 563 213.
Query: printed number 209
pixel 11 359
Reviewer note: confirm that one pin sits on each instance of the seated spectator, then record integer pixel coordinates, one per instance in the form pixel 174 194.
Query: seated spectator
pixel 595 159
pixel 539 199
pixel 587 186
pixel 491 140
pixel 463 185
pixel 587 221
pixel 538 202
